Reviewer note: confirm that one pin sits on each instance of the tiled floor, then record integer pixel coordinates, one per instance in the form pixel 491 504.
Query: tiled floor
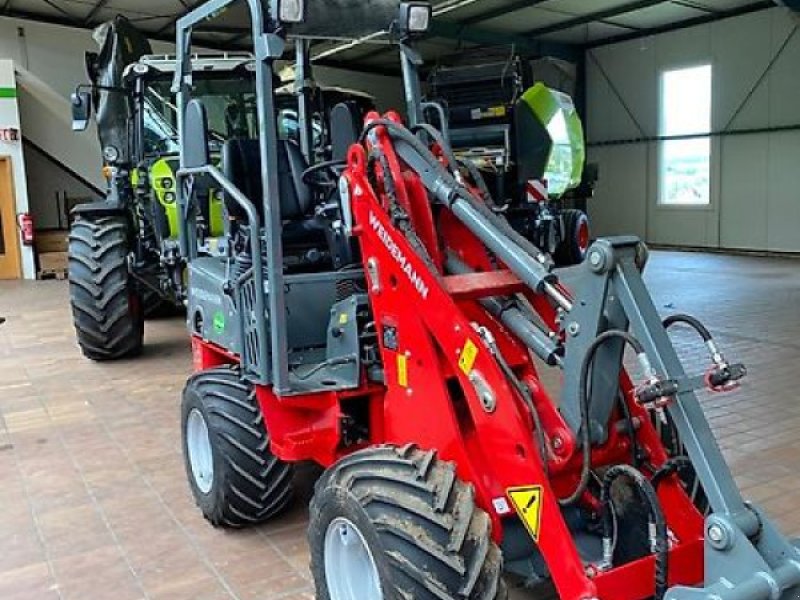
pixel 93 499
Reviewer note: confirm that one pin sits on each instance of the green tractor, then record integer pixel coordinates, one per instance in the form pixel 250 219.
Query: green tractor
pixel 125 260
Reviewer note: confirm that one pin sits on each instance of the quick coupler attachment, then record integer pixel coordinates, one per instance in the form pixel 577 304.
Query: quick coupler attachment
pixel 765 566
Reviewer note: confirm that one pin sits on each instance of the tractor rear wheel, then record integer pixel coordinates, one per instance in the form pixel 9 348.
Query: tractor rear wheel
pixel 577 237
pixel 395 523
pixel 106 306
pixel 235 478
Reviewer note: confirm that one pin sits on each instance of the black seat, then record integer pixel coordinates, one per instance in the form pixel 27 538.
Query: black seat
pixel 241 164
pixel 347 122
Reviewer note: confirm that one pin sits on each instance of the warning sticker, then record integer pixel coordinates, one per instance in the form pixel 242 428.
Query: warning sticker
pixel 528 502
pixel 402 370
pixel 468 356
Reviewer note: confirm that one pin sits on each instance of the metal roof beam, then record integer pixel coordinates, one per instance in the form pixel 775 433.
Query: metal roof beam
pixel 701 20
pixel 594 17
pixel 695 6
pixel 98 6
pixel 486 37
pixel 68 16
pixel 500 11
pixel 174 21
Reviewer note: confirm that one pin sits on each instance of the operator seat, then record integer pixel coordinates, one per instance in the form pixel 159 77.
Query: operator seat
pixel 241 164
pixel 347 123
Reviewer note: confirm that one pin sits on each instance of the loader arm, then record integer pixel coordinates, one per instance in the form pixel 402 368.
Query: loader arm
pixel 451 285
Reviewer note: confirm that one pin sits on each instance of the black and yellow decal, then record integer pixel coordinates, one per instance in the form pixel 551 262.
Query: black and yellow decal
pixel 528 503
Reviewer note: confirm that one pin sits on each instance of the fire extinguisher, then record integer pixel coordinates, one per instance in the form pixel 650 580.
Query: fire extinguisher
pixel 26 228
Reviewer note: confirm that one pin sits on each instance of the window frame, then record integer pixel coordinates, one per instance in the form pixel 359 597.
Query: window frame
pixel 660 204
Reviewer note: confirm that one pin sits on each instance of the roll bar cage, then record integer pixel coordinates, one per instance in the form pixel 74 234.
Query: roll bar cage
pixel 270 42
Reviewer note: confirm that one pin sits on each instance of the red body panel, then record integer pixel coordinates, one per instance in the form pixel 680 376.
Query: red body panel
pixel 431 397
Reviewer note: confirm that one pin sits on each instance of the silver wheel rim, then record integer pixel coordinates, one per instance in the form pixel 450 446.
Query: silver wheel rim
pixel 350 570
pixel 198 445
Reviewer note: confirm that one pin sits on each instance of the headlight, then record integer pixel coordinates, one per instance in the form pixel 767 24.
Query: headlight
pixel 291 11
pixel 169 198
pixel 110 154
pixel 415 17
pixel 167 183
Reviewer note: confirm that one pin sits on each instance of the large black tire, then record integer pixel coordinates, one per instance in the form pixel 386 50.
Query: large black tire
pixel 427 538
pixel 106 306
pixel 248 484
pixel 572 249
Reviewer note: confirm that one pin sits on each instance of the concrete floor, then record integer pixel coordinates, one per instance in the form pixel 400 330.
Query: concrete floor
pixel 93 499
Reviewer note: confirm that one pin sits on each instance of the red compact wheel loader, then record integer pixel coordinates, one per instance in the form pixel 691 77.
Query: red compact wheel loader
pixel 406 361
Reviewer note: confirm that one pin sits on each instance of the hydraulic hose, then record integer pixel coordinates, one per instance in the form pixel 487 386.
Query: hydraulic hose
pixel 691 322
pixel 585 405
pixel 437 137
pixel 636 455
pixel 523 390
pixel 722 374
pixel 526 260
pixel 671 467
pixel 658 523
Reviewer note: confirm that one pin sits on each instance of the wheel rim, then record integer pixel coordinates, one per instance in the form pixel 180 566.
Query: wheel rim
pixel 583 237
pixel 350 570
pixel 198 446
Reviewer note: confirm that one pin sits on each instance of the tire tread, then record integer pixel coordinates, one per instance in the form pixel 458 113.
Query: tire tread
pixel 257 485
pixel 106 324
pixel 436 541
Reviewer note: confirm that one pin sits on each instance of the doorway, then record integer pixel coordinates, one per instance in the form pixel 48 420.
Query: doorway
pixel 10 262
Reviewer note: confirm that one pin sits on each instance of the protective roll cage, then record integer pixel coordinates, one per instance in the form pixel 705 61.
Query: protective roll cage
pixel 309 20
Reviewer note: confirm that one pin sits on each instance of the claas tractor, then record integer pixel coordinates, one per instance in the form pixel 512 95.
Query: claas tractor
pixel 125 260
pixel 527 140
pixel 409 366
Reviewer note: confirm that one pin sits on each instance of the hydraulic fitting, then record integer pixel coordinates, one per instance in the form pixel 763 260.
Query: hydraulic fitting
pixel 722 377
pixel 655 393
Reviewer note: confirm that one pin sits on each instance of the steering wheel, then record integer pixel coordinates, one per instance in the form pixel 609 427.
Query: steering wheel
pixel 324 174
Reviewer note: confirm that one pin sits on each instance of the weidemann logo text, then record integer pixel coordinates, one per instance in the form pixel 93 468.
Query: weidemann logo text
pixel 398 255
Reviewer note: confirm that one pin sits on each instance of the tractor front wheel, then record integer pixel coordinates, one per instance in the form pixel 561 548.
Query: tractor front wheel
pixel 394 523
pixel 235 478
pixel 577 237
pixel 106 306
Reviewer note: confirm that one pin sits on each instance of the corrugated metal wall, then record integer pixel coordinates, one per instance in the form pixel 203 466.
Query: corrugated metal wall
pixel 755 177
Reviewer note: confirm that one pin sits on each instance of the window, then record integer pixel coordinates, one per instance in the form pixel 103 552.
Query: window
pixel 686 111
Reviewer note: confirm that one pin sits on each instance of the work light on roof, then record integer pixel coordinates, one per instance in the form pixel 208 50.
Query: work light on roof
pixel 415 17
pixel 291 11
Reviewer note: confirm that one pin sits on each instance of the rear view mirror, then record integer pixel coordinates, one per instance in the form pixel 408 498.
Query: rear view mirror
pixel 81 110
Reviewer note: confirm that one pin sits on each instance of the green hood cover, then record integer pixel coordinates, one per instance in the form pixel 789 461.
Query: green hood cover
pixel 565 148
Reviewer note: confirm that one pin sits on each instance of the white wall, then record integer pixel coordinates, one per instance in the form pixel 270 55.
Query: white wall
pixel 47 122
pixel 755 178
pixel 47 180
pixel 9 117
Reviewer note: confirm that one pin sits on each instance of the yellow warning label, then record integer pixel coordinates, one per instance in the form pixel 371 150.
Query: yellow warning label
pixel 528 502
pixel 468 356
pixel 402 370
pixel 343 319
